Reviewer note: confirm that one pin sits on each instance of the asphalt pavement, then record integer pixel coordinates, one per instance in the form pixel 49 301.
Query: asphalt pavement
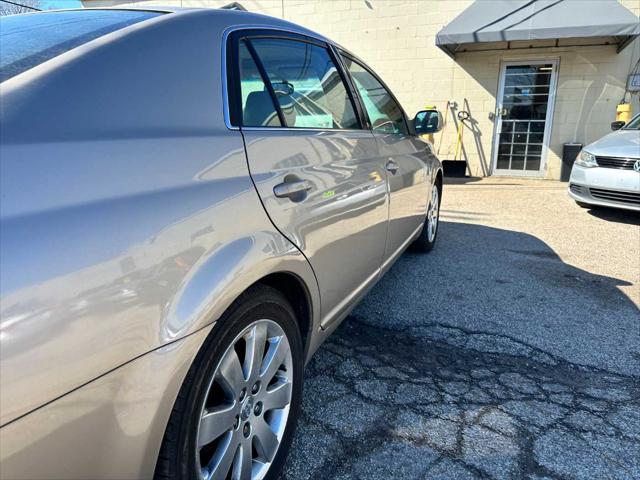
pixel 512 350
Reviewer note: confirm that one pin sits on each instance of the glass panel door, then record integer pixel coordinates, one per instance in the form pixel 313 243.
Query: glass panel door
pixel 523 117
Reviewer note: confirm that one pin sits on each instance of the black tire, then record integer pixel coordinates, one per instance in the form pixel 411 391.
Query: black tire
pixel 176 458
pixel 423 244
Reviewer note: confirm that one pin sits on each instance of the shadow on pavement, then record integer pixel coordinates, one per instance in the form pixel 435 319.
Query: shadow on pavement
pixel 489 358
pixel 615 215
pixel 460 180
pixel 467 180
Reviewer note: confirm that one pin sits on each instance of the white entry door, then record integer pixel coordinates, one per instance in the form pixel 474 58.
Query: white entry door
pixel 523 117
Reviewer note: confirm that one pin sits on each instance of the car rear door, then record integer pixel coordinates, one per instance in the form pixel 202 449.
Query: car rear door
pixel 315 167
pixel 405 157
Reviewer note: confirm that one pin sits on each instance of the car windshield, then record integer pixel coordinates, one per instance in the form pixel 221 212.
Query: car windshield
pixel 31 39
pixel 634 123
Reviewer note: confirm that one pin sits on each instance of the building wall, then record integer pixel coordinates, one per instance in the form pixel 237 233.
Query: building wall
pixel 397 38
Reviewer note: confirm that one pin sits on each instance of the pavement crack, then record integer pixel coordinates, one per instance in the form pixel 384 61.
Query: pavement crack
pixel 452 401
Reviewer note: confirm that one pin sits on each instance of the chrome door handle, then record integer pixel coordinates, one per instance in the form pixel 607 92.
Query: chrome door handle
pixel 392 167
pixel 293 190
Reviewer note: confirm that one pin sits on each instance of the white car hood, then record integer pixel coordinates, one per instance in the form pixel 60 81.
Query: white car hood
pixel 623 143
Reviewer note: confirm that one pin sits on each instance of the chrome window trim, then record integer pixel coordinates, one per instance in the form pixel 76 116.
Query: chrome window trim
pixel 304 129
pixel 225 87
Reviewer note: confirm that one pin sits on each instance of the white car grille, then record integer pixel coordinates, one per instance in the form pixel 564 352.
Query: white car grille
pixel 616 162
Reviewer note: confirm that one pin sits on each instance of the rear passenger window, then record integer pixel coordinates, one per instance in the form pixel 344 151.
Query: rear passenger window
pixel 258 109
pixel 307 85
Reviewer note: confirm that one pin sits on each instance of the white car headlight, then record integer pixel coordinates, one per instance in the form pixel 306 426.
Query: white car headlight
pixel 586 159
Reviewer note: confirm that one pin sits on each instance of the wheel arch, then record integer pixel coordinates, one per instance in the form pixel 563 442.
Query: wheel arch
pixel 297 294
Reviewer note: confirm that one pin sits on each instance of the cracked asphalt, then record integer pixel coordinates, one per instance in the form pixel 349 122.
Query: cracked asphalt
pixel 511 351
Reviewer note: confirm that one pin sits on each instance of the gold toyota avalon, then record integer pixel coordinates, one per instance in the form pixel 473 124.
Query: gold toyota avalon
pixel 191 202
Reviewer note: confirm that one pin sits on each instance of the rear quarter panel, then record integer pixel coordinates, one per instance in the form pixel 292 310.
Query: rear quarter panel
pixel 128 218
pixel 110 429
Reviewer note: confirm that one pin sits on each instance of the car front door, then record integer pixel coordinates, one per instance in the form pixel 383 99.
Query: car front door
pixel 315 167
pixel 406 157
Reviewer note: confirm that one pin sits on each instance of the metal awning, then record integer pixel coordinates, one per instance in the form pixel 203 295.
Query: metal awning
pixel 512 24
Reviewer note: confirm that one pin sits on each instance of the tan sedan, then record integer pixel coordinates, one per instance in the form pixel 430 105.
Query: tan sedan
pixel 192 200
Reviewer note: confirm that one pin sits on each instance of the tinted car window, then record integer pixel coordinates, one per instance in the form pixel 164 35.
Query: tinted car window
pixel 258 109
pixel 307 84
pixel 31 39
pixel 634 123
pixel 384 113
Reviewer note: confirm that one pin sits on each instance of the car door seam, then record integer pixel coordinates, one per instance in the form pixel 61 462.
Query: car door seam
pixel 264 208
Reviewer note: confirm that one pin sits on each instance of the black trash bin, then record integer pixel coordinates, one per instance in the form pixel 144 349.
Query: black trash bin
pixel 569 154
pixel 454 168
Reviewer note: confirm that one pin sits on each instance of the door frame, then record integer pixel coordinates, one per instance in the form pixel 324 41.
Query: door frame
pixel 555 62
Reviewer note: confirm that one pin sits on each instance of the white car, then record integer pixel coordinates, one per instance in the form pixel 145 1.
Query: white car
pixel 607 172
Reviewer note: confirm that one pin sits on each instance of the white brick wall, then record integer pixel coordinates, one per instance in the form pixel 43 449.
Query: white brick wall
pixel 397 38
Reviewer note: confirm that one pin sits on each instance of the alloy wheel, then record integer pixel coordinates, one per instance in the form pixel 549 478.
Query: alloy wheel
pixel 433 214
pixel 246 407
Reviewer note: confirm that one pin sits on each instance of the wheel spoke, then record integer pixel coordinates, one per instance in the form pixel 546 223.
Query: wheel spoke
pixel 432 214
pixel 243 463
pixel 224 458
pixel 275 356
pixel 255 341
pixel 278 397
pixel 230 373
pixel 266 440
pixel 215 423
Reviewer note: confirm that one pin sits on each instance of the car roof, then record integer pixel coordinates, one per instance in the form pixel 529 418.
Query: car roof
pixel 185 37
pixel 229 17
pixel 223 19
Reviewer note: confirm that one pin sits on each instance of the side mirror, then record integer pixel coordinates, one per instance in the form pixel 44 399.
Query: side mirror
pixel 428 121
pixel 617 125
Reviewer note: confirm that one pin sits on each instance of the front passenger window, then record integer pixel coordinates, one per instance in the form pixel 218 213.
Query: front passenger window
pixel 384 112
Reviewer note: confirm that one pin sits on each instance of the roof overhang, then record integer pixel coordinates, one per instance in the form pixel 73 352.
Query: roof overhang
pixel 516 24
